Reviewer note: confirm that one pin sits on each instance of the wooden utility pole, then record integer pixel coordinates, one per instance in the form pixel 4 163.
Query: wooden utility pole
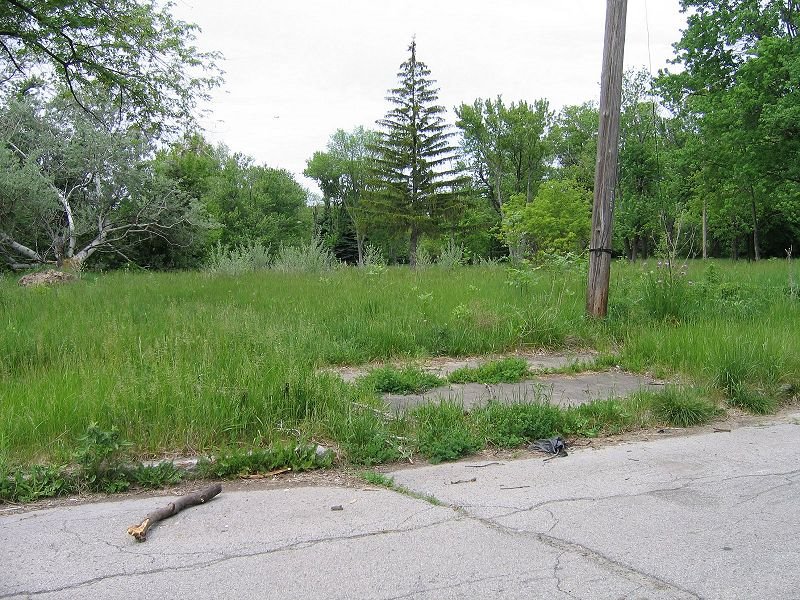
pixel 605 178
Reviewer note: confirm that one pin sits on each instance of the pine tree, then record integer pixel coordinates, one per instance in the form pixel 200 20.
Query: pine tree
pixel 415 186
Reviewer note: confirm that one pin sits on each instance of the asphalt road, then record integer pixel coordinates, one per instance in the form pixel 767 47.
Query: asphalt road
pixel 715 515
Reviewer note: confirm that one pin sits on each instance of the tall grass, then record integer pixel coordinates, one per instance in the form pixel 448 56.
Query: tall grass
pixel 190 362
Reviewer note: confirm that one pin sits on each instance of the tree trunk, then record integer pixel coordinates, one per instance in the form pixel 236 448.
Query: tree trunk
pixel 756 251
pixel 360 247
pixel 705 231
pixel 412 246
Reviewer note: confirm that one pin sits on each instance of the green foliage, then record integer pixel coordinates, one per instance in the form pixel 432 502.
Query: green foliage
pixel 412 189
pixel 236 462
pixel 443 431
pixel 309 257
pixel 683 407
pixel 214 362
pixel 71 188
pixel 391 380
pixel 155 476
pixel 511 425
pixel 752 400
pixel 379 479
pixel 256 204
pixel 101 457
pixel 241 259
pixel 367 440
pixel 342 173
pixel 557 221
pixel 135 49
pixel 507 147
pixel 34 483
pixel 506 370
pixel 611 416
pixel 737 90
pixel 451 256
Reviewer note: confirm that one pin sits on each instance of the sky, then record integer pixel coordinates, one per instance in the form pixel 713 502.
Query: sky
pixel 298 70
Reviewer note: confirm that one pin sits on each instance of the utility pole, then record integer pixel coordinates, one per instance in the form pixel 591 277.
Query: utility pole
pixel 605 178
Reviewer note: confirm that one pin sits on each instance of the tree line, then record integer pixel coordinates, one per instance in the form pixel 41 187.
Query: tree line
pixel 91 168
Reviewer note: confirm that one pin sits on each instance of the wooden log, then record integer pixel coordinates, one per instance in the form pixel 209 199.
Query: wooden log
pixel 139 532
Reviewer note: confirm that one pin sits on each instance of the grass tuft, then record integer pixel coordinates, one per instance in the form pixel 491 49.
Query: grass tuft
pixel 408 380
pixel 443 431
pixel 683 407
pixel 506 370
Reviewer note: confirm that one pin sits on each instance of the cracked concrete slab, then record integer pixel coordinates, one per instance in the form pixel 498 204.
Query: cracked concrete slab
pixel 561 390
pixel 706 516
pixel 444 366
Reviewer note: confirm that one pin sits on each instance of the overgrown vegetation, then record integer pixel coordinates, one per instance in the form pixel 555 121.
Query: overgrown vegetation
pixel 393 380
pixel 506 370
pixel 211 365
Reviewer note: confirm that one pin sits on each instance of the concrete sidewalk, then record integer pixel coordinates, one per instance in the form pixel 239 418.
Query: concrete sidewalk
pixel 708 516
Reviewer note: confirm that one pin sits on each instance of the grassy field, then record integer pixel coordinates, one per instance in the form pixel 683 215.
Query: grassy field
pixel 192 363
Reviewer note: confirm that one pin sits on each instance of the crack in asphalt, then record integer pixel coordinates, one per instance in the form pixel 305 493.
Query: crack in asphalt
pixel 687 483
pixel 451 586
pixel 299 545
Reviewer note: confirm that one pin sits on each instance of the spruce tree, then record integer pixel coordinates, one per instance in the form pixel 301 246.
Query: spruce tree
pixel 415 186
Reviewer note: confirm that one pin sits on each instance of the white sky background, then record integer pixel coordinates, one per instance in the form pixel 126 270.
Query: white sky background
pixel 297 70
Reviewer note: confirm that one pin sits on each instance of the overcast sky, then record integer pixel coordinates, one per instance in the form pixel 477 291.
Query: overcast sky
pixel 297 70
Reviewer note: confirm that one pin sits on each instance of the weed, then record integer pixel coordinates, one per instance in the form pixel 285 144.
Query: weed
pixel 506 370
pixel 313 257
pixel 682 407
pixel 240 259
pixel 34 483
pixel 751 400
pixel 100 456
pixel 236 462
pixel 385 481
pixel 408 380
pixel 451 256
pixel 367 440
pixel 376 478
pixel 443 431
pixel 156 476
pixel 511 425
pixel 611 416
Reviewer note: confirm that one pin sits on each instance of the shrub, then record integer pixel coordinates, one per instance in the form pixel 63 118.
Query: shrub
pixel 451 256
pixel 240 259
pixel 313 257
